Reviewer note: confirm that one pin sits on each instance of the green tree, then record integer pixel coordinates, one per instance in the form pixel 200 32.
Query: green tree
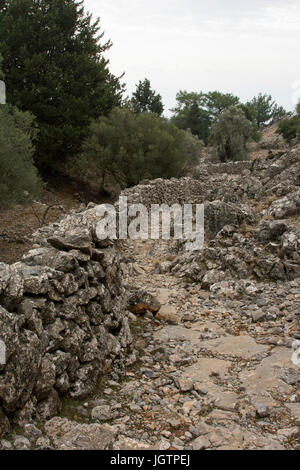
pixel 230 135
pixel 18 177
pixel 144 99
pixel 133 147
pixel 195 119
pixel 55 67
pixel 264 109
pixel 278 113
pixel 217 102
pixel 197 111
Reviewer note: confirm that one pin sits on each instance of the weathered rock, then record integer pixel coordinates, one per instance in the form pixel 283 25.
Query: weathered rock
pixel 168 313
pixel 140 301
pixel 69 435
pixel 126 443
pixel 76 239
pixel 201 443
pixel 22 443
pixel 102 413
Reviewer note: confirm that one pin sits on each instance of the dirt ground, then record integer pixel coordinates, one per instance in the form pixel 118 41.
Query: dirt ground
pixel 18 223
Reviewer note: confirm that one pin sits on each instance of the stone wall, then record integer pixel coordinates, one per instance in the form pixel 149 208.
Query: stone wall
pixel 63 319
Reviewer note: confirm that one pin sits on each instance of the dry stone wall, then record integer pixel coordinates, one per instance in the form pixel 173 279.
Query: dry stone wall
pixel 63 319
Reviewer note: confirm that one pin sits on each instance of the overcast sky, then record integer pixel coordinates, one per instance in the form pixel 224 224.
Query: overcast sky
pixel 237 46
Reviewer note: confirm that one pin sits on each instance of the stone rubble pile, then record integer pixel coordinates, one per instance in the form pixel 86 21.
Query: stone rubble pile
pixel 252 223
pixel 216 331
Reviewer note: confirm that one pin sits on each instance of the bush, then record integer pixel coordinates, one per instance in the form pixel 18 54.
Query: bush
pixel 133 147
pixel 231 134
pixel 289 128
pixel 18 176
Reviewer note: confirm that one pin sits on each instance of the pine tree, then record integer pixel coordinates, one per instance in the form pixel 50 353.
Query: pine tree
pixel 55 68
pixel 264 109
pixel 144 99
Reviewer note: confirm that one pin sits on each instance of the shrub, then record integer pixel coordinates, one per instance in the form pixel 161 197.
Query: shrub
pixel 18 176
pixel 133 147
pixel 231 134
pixel 289 128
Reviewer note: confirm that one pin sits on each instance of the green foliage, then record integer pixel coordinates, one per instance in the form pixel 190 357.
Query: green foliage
pixel 133 147
pixel 264 109
pixel 193 149
pixel 290 128
pixel 197 111
pixel 217 102
pixel 54 67
pixel 18 176
pixel 231 134
pixel 144 99
pixel 195 119
pixel 278 113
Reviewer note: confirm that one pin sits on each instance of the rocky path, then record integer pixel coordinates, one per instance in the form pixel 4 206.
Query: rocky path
pixel 212 372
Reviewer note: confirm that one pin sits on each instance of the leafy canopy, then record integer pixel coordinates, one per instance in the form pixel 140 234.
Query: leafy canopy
pixel 133 147
pixel 231 133
pixel 264 109
pixel 197 111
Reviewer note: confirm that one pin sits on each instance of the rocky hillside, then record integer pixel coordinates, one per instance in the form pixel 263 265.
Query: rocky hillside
pixel 215 359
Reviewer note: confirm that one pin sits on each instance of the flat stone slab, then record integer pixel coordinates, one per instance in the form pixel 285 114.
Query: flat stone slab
pixel 236 346
pixel 265 378
pixel 202 375
pixel 204 368
pixel 70 435
pixel 177 333
pixel 180 333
